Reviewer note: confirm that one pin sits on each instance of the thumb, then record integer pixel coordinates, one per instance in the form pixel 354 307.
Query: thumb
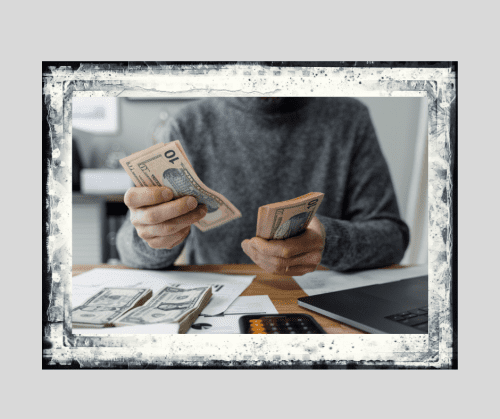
pixel 317 227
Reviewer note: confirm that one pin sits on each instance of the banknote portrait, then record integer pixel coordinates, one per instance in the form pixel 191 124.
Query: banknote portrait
pixel 435 82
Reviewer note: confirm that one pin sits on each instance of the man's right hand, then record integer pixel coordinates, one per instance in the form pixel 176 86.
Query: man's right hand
pixel 161 221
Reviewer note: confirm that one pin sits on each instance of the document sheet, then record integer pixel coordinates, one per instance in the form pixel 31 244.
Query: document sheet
pixel 143 329
pixel 227 325
pixel 258 304
pixel 321 282
pixel 225 288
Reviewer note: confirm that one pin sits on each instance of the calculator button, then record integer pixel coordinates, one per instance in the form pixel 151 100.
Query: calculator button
pixel 257 329
pixel 417 320
pixel 395 317
pixel 418 311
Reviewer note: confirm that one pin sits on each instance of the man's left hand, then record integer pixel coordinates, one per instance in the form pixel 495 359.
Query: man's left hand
pixel 295 256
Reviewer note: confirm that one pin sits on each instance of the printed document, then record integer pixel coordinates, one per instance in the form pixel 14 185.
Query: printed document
pixel 258 304
pixel 321 282
pixel 225 288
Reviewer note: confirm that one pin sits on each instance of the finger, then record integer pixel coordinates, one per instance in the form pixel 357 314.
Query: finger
pixel 181 236
pixel 282 266
pixel 169 242
pixel 316 226
pixel 190 218
pixel 147 196
pixel 266 264
pixel 170 227
pixel 251 253
pixel 167 211
pixel 305 243
pixel 258 258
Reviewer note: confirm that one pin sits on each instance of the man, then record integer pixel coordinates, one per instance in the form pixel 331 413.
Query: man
pixel 257 151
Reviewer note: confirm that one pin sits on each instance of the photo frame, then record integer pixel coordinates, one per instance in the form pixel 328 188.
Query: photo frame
pixel 436 81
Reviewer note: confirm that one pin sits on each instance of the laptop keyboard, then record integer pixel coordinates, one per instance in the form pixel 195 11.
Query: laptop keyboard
pixel 417 318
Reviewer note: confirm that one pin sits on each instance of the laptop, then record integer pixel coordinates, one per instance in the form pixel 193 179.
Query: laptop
pixel 399 307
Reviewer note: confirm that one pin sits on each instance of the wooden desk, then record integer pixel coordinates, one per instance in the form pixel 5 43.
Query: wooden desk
pixel 282 290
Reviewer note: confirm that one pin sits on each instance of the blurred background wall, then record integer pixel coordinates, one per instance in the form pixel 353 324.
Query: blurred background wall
pixel 400 123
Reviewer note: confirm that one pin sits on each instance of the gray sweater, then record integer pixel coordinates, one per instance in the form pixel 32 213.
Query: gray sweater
pixel 258 151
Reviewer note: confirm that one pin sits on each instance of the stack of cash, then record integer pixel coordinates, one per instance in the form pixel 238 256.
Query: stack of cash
pixel 170 305
pixel 168 165
pixel 285 219
pixel 103 308
pixel 126 307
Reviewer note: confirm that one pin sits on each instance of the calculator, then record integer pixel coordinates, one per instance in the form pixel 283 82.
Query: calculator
pixel 279 324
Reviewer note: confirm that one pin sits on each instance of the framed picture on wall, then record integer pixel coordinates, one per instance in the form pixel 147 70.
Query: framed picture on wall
pixel 97 115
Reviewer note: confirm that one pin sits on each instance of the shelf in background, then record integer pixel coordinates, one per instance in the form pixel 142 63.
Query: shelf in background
pixel 84 198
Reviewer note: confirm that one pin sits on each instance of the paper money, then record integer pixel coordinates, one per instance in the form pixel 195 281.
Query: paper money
pixel 107 305
pixel 170 305
pixel 127 163
pixel 168 165
pixel 112 307
pixel 285 219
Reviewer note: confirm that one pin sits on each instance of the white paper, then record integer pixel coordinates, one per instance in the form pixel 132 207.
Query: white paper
pixel 143 329
pixel 229 322
pixel 321 282
pixel 258 304
pixel 225 288
pixel 228 325
pixel 224 294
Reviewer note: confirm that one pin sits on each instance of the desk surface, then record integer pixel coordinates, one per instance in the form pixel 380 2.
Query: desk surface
pixel 282 290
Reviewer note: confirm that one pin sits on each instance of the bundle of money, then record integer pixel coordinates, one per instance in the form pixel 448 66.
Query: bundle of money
pixel 103 308
pixel 285 219
pixel 170 305
pixel 112 307
pixel 168 165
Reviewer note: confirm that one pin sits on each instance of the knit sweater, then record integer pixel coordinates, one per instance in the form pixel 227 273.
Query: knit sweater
pixel 257 151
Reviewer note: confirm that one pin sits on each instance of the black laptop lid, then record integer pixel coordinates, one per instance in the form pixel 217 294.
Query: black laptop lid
pixel 367 308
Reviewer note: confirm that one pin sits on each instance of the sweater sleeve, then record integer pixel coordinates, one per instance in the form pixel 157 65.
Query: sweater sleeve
pixel 133 250
pixel 371 233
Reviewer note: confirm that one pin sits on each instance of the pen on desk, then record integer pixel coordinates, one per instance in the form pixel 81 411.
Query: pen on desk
pixel 230 314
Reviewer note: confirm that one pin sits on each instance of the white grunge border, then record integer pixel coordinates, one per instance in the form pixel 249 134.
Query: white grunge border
pixel 60 84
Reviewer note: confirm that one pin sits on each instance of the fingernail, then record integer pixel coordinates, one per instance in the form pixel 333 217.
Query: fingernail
pixel 192 203
pixel 167 194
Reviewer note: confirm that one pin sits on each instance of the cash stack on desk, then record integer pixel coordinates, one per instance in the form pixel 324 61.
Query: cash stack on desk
pixel 116 307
